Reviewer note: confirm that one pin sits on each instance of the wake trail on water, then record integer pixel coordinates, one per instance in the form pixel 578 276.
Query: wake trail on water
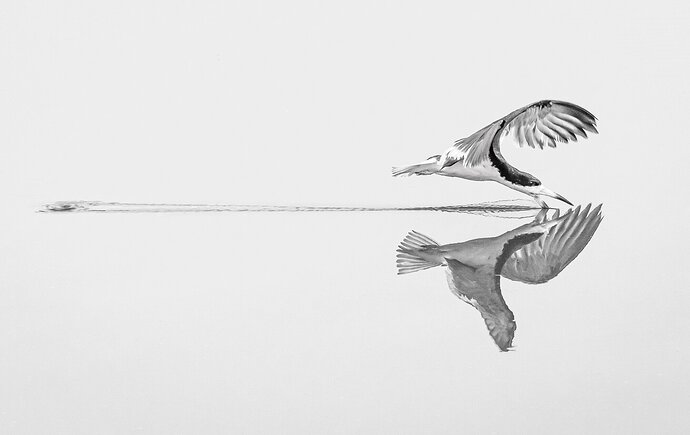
pixel 505 208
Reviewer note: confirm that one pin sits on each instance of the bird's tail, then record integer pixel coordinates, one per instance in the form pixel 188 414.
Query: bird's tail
pixel 430 166
pixel 417 252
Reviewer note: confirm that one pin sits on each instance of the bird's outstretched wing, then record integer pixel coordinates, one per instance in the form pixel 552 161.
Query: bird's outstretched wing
pixel 543 123
pixel 543 259
pixel 548 122
pixel 481 289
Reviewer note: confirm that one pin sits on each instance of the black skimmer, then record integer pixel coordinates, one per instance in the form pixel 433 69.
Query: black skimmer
pixel 478 157
pixel 533 253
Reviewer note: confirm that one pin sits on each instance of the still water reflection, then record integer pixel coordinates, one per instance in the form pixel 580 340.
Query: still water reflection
pixel 533 253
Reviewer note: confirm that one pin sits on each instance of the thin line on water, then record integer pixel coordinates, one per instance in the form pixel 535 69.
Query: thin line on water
pixel 488 208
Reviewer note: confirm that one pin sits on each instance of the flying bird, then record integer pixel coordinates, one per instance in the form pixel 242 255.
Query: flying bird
pixel 478 156
pixel 533 253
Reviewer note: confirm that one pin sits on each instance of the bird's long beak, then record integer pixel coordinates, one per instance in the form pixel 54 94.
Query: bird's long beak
pixel 561 198
pixel 552 194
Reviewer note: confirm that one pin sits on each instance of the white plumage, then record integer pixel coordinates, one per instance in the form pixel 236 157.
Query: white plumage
pixel 478 156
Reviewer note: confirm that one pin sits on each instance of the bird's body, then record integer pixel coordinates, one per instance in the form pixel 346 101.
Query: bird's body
pixel 478 156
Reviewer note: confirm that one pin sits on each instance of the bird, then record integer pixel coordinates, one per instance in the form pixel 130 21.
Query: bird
pixel 533 253
pixel 478 156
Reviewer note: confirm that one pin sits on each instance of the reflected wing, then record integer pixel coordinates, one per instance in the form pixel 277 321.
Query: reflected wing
pixel 548 122
pixel 540 261
pixel 543 123
pixel 481 288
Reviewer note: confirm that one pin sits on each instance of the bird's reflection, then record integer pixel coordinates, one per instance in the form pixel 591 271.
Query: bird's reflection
pixel 533 253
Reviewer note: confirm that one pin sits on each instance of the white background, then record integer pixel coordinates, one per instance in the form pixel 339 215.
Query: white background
pixel 220 323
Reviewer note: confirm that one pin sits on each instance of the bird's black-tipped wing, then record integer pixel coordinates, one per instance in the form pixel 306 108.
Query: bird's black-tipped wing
pixel 481 289
pixel 548 122
pixel 543 123
pixel 542 260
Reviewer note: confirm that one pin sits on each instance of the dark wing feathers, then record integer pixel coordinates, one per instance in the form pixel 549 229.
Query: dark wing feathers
pixel 541 124
pixel 548 122
pixel 542 260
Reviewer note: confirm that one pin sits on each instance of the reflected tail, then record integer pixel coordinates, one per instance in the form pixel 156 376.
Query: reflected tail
pixel 417 252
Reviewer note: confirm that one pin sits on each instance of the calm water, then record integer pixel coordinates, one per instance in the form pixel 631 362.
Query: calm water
pixel 298 322
pixel 264 323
